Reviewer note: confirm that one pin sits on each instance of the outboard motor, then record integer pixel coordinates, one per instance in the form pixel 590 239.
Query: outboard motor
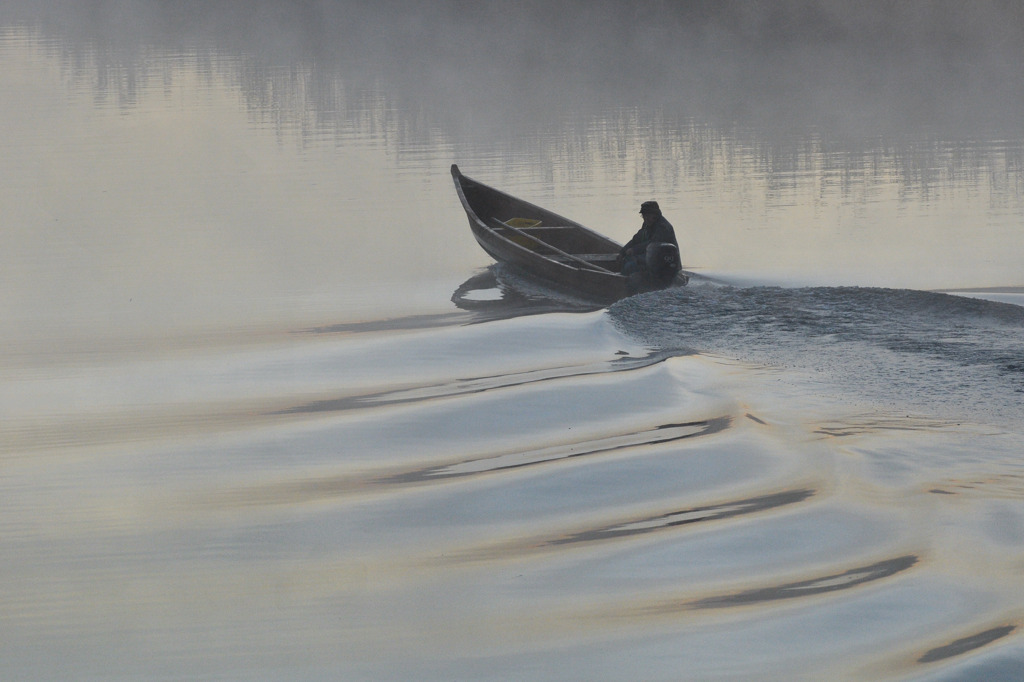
pixel 663 263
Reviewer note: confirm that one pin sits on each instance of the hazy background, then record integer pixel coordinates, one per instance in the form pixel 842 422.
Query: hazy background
pixel 869 68
pixel 178 166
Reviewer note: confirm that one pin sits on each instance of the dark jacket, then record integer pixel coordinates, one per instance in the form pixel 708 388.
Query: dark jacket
pixel 659 231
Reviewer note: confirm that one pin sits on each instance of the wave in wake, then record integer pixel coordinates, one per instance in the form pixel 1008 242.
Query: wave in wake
pixel 950 354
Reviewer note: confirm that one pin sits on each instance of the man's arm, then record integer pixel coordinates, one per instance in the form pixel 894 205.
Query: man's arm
pixel 632 243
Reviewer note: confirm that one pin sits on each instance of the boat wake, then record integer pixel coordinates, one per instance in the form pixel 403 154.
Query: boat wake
pixel 607 492
pixel 949 354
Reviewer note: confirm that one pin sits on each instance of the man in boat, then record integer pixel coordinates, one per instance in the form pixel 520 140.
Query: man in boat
pixel 651 258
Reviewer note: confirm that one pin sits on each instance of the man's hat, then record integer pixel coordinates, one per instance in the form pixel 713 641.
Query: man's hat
pixel 650 207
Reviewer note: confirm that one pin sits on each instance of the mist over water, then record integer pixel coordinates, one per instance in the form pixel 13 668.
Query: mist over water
pixel 791 142
pixel 268 411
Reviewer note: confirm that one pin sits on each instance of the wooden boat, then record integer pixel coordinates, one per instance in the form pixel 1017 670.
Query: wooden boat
pixel 543 244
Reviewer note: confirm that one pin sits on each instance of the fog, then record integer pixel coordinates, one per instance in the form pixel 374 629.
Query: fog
pixel 470 67
pixel 726 111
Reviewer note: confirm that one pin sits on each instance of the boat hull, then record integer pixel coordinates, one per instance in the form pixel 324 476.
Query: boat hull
pixel 559 251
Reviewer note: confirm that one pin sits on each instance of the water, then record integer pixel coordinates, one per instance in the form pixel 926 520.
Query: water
pixel 268 411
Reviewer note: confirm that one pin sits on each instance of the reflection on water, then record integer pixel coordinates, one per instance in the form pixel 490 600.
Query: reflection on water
pixel 966 644
pixel 814 586
pixel 678 518
pixel 496 293
pixel 268 411
pixel 665 433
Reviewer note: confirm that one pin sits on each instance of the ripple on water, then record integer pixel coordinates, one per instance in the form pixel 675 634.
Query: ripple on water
pixel 596 501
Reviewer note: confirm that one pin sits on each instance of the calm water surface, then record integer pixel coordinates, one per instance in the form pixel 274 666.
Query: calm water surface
pixel 267 411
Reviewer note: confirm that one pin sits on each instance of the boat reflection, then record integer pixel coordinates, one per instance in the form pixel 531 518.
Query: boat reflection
pixel 496 293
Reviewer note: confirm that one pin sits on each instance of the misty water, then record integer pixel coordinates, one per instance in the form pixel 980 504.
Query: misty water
pixel 267 411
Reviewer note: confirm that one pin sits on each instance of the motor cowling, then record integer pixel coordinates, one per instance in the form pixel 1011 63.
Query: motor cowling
pixel 663 262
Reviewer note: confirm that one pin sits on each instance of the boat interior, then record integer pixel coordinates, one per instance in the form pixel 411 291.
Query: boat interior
pixel 567 244
pixel 539 230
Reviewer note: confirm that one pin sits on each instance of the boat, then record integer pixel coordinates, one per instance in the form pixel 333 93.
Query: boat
pixel 547 246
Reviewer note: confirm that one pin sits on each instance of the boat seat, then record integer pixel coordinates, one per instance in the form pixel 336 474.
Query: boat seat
pixel 594 257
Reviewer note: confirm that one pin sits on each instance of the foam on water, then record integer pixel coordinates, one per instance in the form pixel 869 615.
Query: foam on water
pixel 949 356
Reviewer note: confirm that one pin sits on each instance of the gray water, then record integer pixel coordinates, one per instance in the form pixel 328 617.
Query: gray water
pixel 267 411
